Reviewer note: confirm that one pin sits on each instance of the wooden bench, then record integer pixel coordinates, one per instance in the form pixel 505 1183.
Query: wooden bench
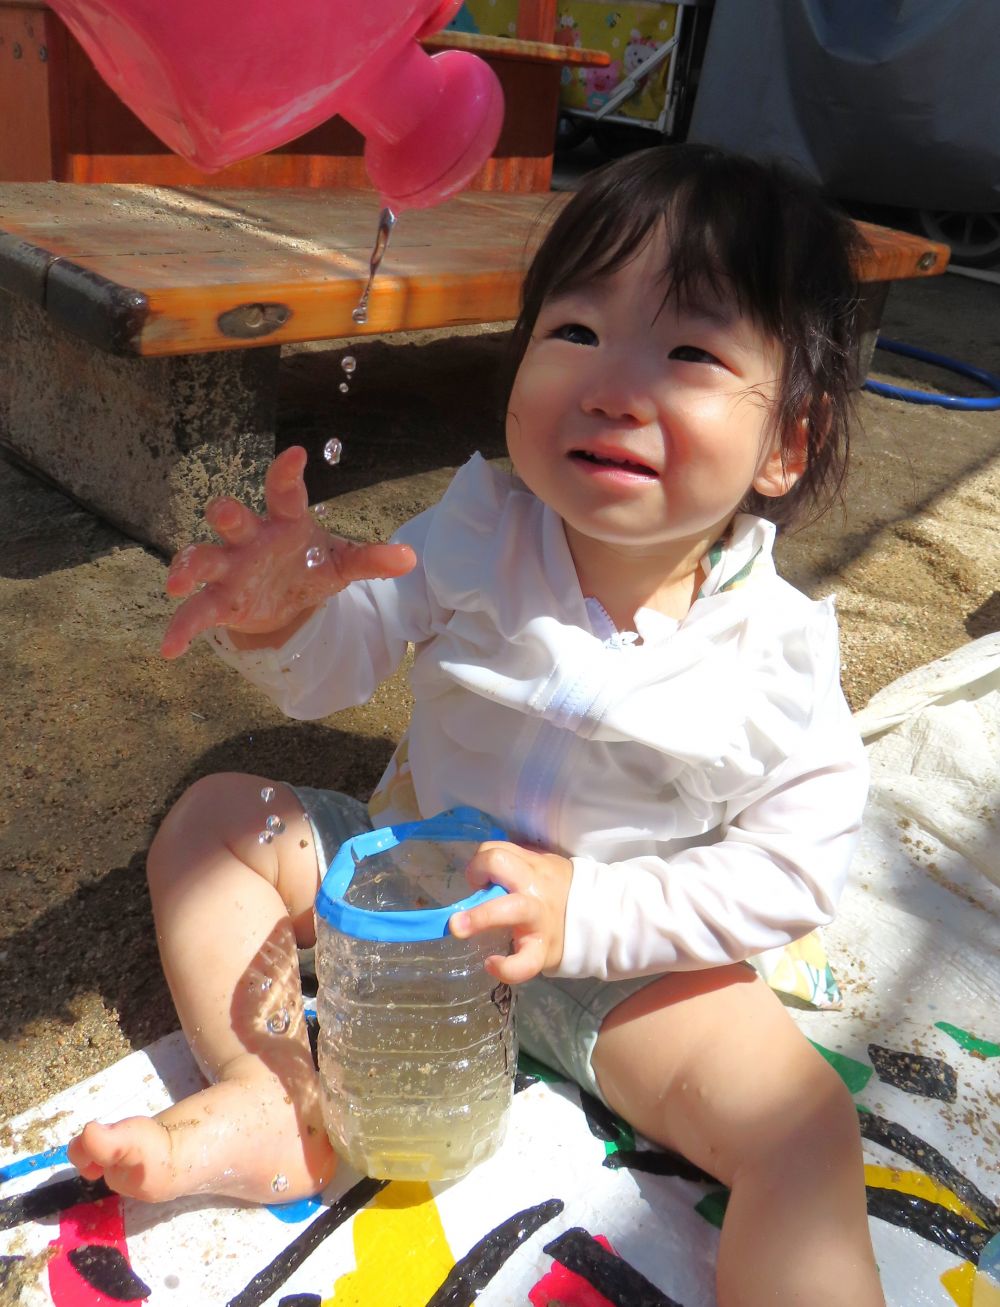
pixel 60 122
pixel 141 328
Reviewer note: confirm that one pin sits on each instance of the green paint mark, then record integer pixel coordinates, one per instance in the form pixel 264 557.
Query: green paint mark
pixel 713 1207
pixel 624 1138
pixel 530 1067
pixel 854 1074
pixel 983 1048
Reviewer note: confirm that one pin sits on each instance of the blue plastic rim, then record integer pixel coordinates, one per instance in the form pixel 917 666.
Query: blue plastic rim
pixel 988 379
pixel 454 826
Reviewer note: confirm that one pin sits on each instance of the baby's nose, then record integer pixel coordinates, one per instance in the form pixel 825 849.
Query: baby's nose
pixel 620 394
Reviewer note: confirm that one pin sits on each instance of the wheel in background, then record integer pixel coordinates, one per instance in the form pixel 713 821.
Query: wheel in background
pixel 974 237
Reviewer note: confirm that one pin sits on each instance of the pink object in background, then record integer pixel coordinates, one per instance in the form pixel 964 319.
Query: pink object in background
pixel 222 80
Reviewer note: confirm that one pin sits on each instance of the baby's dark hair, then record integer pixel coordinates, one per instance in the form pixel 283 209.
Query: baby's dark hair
pixel 752 232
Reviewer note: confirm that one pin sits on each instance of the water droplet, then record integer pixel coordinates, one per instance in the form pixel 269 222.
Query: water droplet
pixel 278 1022
pixel 314 557
pixel 265 837
pixel 321 510
pixel 267 793
pixel 386 222
pixel 332 450
pixel 266 984
pixel 343 388
pixel 274 823
pixel 280 1183
pixel 348 363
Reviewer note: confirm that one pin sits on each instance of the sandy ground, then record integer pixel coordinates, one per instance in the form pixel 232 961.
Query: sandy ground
pixel 100 736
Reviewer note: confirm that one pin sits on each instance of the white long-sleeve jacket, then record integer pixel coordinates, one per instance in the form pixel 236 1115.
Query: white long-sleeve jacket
pixel 705 777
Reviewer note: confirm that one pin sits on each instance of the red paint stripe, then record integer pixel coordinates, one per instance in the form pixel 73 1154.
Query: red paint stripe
pixel 565 1288
pixel 101 1223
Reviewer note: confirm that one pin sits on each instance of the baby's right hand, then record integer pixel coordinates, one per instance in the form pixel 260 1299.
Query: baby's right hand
pixel 265 574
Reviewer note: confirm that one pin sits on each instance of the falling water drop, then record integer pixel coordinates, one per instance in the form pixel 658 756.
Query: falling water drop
pixel 274 823
pixel 349 363
pixel 386 222
pixel 343 388
pixel 266 983
pixel 278 1022
pixel 267 793
pixel 280 1183
pixel 332 450
pixel 320 510
pixel 314 556
pixel 265 837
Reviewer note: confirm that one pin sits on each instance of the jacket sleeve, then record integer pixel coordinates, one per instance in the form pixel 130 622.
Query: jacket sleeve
pixel 348 647
pixel 775 873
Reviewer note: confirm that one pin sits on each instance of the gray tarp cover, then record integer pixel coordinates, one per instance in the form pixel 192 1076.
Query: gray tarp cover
pixel 887 101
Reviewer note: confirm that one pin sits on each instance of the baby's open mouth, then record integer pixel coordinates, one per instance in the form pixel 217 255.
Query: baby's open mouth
pixel 622 464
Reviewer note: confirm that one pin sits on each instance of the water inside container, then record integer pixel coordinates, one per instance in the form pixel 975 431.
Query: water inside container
pixel 415 875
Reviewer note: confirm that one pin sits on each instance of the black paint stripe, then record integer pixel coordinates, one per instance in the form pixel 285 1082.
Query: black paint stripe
pixel 891 1135
pixel 930 1220
pixel 479 1265
pixel 928 1077
pixel 107 1270
pixel 611 1276
pixel 601 1121
pixel 273 1276
pixel 48 1200
pixel 653 1162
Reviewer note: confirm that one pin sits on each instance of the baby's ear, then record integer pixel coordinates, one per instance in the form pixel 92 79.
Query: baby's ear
pixel 785 463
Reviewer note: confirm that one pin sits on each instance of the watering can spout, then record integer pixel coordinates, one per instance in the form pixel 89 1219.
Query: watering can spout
pixel 221 82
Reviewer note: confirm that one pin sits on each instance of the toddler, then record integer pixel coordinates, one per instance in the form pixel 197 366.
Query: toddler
pixel 606 662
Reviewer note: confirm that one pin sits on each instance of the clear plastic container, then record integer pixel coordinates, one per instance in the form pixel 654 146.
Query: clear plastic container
pixel 417 1043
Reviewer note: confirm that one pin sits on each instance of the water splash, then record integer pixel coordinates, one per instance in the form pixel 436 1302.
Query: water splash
pixel 278 1022
pixel 332 451
pixel 386 222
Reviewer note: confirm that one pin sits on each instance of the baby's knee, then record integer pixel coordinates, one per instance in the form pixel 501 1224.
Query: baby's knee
pixel 202 814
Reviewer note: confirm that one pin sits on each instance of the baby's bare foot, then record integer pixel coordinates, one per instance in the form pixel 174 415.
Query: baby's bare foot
pixel 241 1138
pixel 133 1156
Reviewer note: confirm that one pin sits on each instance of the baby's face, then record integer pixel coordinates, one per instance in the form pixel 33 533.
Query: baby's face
pixel 643 427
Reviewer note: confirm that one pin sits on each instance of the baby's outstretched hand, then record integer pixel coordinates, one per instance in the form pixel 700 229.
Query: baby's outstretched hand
pixel 534 907
pixel 269 570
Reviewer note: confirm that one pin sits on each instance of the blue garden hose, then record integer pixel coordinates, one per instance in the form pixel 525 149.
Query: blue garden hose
pixel 989 379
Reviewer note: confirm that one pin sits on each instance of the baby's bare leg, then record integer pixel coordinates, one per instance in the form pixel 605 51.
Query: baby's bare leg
pixel 229 912
pixel 710 1065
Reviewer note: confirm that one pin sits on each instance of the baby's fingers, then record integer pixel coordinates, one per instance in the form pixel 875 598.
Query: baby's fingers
pixel 360 562
pixel 523 965
pixel 199 613
pixel 232 521
pixel 284 486
pixel 196 565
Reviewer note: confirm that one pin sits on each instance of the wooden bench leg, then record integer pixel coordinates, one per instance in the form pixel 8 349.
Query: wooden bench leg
pixel 145 442
pixel 872 297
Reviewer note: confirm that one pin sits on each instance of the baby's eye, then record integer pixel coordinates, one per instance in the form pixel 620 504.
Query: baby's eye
pixel 576 334
pixel 692 354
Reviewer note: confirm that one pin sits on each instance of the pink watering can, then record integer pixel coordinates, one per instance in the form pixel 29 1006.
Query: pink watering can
pixel 221 80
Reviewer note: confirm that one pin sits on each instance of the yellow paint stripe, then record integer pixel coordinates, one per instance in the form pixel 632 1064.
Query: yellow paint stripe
pixel 400 1251
pixel 985 1293
pixel 959 1282
pixel 920 1186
